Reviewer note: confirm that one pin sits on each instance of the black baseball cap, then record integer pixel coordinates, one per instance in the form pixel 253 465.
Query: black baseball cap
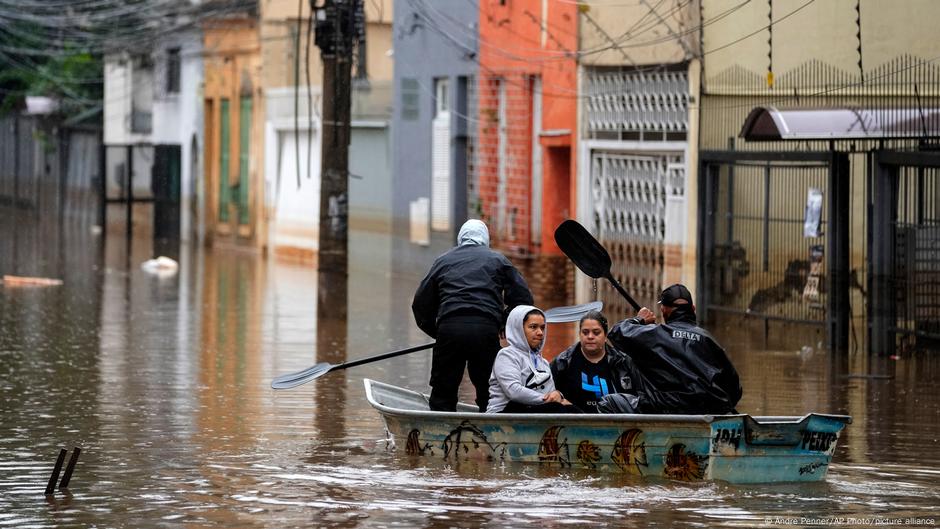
pixel 673 294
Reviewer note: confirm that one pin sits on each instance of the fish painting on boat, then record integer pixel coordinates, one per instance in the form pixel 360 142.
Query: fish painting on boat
pixel 733 448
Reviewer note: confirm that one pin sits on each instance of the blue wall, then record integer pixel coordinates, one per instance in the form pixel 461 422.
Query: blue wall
pixel 432 39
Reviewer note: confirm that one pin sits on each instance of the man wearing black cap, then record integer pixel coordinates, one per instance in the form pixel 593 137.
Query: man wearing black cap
pixel 685 370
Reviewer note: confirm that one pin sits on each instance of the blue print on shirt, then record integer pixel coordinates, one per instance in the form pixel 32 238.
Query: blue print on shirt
pixel 598 387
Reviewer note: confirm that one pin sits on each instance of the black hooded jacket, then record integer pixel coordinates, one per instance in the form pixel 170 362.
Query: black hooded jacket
pixel 684 369
pixel 468 279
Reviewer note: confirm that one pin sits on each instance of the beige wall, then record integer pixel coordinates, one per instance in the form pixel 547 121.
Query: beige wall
pixel 639 37
pixel 378 48
pixel 376 10
pixel 815 64
pixel 822 31
pixel 278 47
pixel 293 229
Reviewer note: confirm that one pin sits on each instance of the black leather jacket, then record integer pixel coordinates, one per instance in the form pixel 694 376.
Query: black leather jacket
pixel 684 369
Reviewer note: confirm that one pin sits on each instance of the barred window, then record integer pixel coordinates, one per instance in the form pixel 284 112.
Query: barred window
pixel 173 71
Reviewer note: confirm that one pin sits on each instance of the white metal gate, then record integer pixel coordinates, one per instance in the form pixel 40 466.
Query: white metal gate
pixel 631 197
pixel 635 147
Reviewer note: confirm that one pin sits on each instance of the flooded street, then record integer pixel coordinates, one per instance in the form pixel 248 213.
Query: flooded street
pixel 164 384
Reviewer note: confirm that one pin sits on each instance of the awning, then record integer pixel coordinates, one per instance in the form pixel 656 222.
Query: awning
pixel 769 123
pixel 555 138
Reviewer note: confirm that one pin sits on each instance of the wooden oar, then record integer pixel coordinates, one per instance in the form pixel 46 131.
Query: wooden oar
pixel 290 380
pixel 588 255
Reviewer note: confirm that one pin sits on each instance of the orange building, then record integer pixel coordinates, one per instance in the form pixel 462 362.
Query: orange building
pixel 524 160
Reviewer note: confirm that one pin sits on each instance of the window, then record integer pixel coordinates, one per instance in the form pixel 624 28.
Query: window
pixel 225 145
pixel 142 83
pixel 410 92
pixel 173 71
pixel 440 158
pixel 441 100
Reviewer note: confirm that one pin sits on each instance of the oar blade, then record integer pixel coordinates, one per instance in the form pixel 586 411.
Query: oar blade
pixel 571 313
pixel 302 377
pixel 292 380
pixel 583 249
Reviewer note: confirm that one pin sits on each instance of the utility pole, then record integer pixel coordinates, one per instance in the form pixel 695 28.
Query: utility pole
pixel 335 36
pixel 335 32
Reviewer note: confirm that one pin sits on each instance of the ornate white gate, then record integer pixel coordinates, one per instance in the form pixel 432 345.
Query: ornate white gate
pixel 635 151
pixel 631 196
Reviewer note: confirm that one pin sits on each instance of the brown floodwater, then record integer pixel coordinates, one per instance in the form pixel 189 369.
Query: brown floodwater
pixel 164 384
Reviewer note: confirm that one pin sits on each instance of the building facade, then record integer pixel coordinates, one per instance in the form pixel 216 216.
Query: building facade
pixel 637 149
pixel 435 67
pixel 868 59
pixel 178 131
pixel 153 134
pixel 234 131
pixel 524 160
pixel 292 77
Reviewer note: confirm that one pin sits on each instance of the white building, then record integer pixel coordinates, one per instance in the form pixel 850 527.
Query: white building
pixel 153 126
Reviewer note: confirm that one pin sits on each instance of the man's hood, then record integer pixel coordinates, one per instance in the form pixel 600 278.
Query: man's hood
pixel 473 233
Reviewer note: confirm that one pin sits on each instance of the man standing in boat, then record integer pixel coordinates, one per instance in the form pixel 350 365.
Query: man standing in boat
pixel 460 303
pixel 684 369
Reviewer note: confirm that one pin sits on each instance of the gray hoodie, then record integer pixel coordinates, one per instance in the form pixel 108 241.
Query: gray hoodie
pixel 473 233
pixel 514 370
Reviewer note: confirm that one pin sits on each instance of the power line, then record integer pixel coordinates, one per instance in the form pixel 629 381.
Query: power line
pixel 623 41
pixel 34 35
pixel 768 26
pixel 864 81
pixel 572 94
pixel 105 26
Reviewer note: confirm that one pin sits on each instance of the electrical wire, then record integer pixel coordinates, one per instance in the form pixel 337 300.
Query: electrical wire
pixel 307 41
pixel 569 93
pixel 124 26
pixel 755 32
pixel 34 35
pixel 299 30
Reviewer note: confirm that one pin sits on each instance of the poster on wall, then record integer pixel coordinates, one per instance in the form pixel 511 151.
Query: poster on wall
pixel 811 290
pixel 812 221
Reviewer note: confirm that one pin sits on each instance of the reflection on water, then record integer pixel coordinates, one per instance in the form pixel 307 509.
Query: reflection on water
pixel 164 384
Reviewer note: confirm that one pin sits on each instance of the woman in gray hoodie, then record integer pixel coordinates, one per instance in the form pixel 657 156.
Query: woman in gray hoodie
pixel 521 381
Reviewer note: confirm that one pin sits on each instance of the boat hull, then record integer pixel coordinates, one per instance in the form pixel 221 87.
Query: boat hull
pixel 732 448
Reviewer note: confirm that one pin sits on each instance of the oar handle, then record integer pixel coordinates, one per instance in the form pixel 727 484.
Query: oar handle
pixel 376 358
pixel 616 284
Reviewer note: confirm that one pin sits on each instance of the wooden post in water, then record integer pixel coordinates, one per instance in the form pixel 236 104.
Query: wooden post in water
pixel 50 488
pixel 69 468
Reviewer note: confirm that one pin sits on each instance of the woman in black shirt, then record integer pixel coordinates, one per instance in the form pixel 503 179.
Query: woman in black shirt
pixel 592 368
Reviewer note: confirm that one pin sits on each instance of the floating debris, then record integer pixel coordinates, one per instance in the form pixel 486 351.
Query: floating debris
pixel 161 266
pixel 30 281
